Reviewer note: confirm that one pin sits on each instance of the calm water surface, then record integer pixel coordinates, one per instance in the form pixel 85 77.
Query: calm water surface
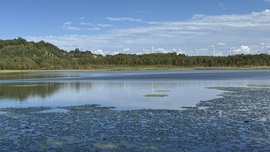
pixel 122 89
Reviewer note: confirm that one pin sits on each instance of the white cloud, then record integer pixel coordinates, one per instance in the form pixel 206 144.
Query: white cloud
pixel 267 0
pixel 252 20
pixel 67 23
pixel 179 51
pixel 160 50
pixel 244 49
pixel 221 44
pixel 104 25
pixel 263 48
pixel 123 19
pixel 86 24
pixel 99 51
pixel 225 31
pixel 126 50
pixel 68 26
pixel 96 25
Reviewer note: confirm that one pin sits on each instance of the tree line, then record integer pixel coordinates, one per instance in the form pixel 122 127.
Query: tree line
pixel 19 54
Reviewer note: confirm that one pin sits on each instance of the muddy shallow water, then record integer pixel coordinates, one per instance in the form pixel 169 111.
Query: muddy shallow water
pixel 239 121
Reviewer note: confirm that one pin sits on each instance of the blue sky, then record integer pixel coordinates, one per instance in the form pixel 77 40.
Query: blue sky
pixel 192 27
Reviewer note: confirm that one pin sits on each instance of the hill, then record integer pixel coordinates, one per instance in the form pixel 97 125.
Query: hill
pixel 19 54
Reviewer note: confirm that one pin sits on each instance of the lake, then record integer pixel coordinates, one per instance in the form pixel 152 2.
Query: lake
pixel 124 90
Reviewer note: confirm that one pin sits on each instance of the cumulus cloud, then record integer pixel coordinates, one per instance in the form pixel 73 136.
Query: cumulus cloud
pixel 179 51
pixel 244 49
pixel 200 31
pixel 99 51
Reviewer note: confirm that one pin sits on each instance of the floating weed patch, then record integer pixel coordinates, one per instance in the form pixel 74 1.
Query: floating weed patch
pixel 89 107
pixel 30 85
pixel 258 86
pixel 218 88
pixel 234 95
pixel 105 146
pixel 156 95
pixel 57 110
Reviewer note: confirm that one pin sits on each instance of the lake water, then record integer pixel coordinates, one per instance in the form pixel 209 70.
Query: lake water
pixel 122 89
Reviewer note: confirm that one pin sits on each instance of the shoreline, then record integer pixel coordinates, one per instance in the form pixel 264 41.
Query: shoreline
pixel 141 68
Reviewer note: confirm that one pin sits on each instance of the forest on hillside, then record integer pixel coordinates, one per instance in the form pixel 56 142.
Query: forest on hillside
pixel 19 54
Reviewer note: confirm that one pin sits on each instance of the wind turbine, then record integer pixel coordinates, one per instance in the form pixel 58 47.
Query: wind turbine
pixel 197 51
pixel 267 48
pixel 262 48
pixel 125 50
pixel 213 47
pixel 230 51
pixel 200 50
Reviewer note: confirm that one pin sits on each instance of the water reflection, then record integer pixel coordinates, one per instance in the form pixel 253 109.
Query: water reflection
pixel 123 90
pixel 122 95
pixel 22 91
pixel 26 75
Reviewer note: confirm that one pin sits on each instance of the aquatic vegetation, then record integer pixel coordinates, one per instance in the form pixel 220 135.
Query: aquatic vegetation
pixel 156 95
pixel 231 123
pixel 259 86
pixel 59 110
pixel 234 95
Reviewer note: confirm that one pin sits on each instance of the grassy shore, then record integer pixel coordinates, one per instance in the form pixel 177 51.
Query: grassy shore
pixel 123 68
pixel 167 67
